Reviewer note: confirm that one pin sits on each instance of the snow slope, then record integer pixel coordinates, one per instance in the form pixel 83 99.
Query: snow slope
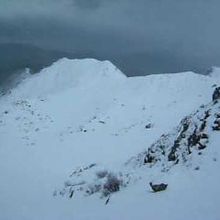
pixel 81 112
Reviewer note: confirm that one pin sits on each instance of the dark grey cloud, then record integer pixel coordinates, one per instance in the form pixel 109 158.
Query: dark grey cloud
pixel 85 4
pixel 140 36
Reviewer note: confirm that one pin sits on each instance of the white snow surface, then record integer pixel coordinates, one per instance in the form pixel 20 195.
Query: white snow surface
pixel 78 112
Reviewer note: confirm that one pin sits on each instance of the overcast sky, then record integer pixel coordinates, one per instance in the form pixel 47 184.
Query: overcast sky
pixel 185 29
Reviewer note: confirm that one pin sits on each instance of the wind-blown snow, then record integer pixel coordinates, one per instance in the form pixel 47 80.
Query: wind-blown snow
pixel 79 112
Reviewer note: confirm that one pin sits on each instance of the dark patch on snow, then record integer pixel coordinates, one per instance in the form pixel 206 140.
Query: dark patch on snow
pixel 158 187
pixel 216 94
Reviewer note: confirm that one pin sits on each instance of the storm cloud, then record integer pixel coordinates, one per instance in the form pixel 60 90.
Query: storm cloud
pixel 141 37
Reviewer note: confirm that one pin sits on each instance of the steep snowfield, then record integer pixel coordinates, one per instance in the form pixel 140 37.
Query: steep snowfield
pixel 82 112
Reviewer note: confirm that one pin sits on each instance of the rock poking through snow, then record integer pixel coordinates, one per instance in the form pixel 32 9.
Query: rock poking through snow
pixel 158 187
pixel 216 94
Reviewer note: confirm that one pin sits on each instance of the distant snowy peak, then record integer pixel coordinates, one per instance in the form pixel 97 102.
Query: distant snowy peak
pixel 66 73
pixel 84 69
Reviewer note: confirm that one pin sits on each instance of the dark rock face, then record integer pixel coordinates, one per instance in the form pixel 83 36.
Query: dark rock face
pixel 149 157
pixel 171 155
pixel 158 187
pixel 216 126
pixel 191 135
pixel 216 94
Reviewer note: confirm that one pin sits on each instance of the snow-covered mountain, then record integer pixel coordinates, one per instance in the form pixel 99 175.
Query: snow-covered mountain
pixel 71 131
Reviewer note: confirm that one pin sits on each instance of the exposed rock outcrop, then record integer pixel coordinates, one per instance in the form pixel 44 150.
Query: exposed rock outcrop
pixel 216 94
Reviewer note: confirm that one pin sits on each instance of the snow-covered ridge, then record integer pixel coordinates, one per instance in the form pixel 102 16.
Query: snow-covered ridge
pixel 66 73
pixel 86 73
